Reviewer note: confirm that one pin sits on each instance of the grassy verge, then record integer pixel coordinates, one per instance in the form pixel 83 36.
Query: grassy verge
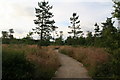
pixel 91 57
pixel 28 62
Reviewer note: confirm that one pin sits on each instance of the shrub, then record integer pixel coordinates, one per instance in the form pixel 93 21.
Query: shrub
pixel 43 43
pixel 28 62
pixel 110 68
pixel 15 66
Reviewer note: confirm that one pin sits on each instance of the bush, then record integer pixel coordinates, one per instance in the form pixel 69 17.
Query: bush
pixel 42 73
pixel 44 43
pixel 28 62
pixel 111 68
pixel 15 66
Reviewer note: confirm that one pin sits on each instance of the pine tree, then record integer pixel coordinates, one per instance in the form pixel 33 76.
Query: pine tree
pixel 75 28
pixel 108 28
pixel 44 21
pixel 11 31
pixel 59 40
pixel 97 36
pixel 108 33
pixel 116 13
pixel 97 30
pixel 89 38
pixel 29 35
pixel 4 34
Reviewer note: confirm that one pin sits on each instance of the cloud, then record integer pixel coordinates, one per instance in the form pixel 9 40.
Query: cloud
pixel 89 13
pixel 81 0
pixel 19 14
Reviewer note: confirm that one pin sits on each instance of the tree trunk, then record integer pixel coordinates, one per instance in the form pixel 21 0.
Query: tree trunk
pixel 74 30
pixel 41 35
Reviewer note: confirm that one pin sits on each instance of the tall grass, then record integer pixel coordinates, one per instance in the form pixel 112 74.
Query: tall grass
pixel 28 62
pixel 15 65
pixel 91 57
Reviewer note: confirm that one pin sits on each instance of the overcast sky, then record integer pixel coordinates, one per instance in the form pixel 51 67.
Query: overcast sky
pixel 19 14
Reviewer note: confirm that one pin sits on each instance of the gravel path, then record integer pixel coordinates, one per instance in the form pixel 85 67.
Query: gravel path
pixel 70 68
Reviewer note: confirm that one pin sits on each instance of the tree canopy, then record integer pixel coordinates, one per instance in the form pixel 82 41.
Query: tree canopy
pixel 44 20
pixel 75 27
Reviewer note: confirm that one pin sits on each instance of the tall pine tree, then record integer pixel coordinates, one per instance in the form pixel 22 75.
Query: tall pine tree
pixel 116 13
pixel 108 33
pixel 75 27
pixel 44 21
pixel 97 30
pixel 11 31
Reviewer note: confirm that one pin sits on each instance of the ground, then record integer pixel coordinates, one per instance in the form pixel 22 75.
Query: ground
pixel 70 68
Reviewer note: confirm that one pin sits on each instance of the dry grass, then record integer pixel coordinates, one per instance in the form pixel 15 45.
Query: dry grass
pixel 45 58
pixel 91 57
pixel 42 55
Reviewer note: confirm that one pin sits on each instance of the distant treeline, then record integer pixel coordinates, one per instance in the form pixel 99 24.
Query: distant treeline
pixel 106 35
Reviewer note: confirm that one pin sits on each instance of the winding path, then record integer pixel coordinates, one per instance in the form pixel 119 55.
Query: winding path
pixel 70 68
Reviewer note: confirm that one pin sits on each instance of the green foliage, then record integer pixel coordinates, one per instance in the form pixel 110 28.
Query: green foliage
pixel 77 41
pixel 110 69
pixel 11 33
pixel 15 66
pixel 75 28
pixel 97 30
pixel 89 39
pixel 102 70
pixel 69 40
pixel 108 33
pixel 59 41
pixel 19 41
pixel 5 41
pixel 81 41
pixel 44 22
pixel 116 7
pixel 108 37
pixel 4 34
pixel 29 35
pixel 116 63
pixel 43 73
pixel 43 43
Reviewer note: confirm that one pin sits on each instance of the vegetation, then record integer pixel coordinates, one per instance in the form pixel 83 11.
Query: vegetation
pixel 28 62
pixel 45 25
pixel 4 34
pixel 59 40
pixel 99 53
pixel 91 57
pixel 15 65
pixel 108 37
pixel 75 26
pixel 116 12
